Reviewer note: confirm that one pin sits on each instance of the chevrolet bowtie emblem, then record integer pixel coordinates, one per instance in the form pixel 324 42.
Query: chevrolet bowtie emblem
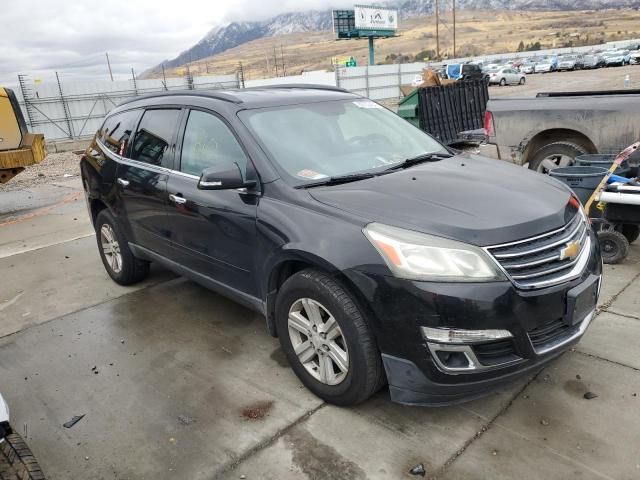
pixel 570 250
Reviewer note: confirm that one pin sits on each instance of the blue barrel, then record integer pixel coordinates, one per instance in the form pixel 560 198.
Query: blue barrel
pixel 582 180
pixel 604 161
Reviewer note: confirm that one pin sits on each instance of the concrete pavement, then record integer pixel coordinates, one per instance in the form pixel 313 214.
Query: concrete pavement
pixel 190 385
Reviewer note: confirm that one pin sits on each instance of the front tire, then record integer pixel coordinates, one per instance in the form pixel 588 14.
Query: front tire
pixel 503 82
pixel 326 339
pixel 118 259
pixel 522 81
pixel 555 155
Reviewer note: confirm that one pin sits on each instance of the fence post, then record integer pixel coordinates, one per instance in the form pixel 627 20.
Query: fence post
pixel 26 97
pixel 135 85
pixel 65 107
pixel 366 79
pixel 337 72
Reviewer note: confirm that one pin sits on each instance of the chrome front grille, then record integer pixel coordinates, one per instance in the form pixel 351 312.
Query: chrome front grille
pixel 547 259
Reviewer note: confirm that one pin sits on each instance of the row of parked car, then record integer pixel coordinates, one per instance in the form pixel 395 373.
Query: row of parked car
pixel 553 63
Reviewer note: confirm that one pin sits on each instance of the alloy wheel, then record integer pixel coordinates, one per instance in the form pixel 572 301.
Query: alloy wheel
pixel 555 161
pixel 318 341
pixel 110 248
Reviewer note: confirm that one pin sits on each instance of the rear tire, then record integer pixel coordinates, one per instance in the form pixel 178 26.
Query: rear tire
pixel 118 259
pixel 630 231
pixel 614 246
pixel 522 81
pixel 554 155
pixel 503 82
pixel 300 298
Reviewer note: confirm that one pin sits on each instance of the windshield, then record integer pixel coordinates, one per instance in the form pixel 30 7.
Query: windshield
pixel 310 142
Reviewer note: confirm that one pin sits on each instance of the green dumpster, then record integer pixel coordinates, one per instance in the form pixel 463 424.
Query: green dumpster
pixel 408 108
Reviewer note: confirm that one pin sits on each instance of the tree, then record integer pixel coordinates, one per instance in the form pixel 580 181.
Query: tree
pixel 521 46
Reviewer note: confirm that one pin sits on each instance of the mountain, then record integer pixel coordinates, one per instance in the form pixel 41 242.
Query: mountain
pixel 236 33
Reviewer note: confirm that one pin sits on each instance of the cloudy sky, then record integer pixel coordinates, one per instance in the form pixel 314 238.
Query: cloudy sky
pixel 38 37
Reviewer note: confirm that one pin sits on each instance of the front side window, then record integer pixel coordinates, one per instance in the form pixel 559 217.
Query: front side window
pixel 313 141
pixel 208 142
pixel 155 135
pixel 117 130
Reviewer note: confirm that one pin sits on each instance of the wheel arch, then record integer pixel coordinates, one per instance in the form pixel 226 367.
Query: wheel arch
pixel 554 135
pixel 290 264
pixel 96 205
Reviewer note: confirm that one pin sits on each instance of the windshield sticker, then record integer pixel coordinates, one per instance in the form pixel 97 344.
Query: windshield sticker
pixel 366 104
pixel 310 175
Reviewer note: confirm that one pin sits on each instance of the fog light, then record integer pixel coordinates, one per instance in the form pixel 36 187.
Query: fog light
pixel 458 336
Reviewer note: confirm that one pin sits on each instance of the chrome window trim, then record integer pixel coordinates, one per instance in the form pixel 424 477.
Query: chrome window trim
pixel 144 166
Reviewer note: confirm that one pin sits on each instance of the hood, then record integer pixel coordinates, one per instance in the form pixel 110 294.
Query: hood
pixel 467 198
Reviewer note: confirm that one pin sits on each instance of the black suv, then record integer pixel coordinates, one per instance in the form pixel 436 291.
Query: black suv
pixel 374 253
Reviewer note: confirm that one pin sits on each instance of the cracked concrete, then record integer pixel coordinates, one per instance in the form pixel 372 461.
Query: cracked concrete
pixel 179 368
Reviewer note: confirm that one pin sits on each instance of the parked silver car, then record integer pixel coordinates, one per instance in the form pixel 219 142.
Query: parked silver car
pixel 569 62
pixel 528 67
pixel 506 76
pixel 617 58
pixel 593 60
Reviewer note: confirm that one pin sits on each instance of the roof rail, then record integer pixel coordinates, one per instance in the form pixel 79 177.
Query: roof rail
pixel 218 95
pixel 310 86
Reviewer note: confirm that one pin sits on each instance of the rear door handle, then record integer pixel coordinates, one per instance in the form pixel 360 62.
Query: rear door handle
pixel 177 200
pixel 123 182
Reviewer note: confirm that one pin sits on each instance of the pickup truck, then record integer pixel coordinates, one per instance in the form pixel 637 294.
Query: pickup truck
pixel 552 129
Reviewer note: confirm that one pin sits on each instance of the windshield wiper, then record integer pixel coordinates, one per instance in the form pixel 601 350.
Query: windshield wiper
pixel 353 177
pixel 425 157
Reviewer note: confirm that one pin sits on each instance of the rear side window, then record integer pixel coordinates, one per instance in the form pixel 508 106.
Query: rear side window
pixel 154 136
pixel 117 131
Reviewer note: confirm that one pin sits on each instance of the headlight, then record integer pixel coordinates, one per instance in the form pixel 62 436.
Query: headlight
pixel 418 256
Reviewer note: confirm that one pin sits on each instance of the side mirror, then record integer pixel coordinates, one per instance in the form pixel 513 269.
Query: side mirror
pixel 223 177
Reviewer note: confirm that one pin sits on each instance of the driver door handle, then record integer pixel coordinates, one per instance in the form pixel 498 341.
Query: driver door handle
pixel 179 200
pixel 123 182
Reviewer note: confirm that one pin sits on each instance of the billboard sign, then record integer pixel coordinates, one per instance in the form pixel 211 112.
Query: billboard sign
pixel 375 18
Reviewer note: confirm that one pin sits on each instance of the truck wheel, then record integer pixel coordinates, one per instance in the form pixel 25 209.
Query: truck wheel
pixel 630 231
pixel 326 339
pixel 554 155
pixel 503 82
pixel 17 461
pixel 614 246
pixel 118 259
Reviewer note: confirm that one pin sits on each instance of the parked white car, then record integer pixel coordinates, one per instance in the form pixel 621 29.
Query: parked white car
pixel 506 76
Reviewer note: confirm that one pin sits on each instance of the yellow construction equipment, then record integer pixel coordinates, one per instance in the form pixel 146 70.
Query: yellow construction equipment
pixel 18 147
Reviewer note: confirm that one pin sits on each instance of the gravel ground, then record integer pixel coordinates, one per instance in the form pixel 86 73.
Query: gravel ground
pixel 54 167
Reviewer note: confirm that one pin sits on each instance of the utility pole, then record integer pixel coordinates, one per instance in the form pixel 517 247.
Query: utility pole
pixel 437 30
pixel 454 29
pixel 284 72
pixel 266 59
pixel 164 78
pixel 109 65
pixel 275 60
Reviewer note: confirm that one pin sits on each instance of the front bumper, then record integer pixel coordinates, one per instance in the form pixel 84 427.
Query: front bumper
pixel 537 319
